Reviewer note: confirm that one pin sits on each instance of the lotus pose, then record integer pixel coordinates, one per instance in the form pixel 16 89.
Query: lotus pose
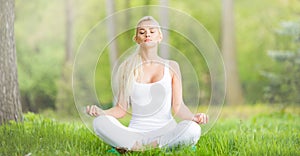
pixel 152 87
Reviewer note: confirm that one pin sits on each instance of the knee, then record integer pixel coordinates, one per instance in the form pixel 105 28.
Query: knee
pixel 103 122
pixel 194 129
pixel 191 132
pixel 98 123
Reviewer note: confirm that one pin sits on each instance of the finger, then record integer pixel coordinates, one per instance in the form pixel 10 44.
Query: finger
pixel 196 118
pixel 92 110
pixel 97 111
pixel 87 109
pixel 207 118
pixel 204 119
pixel 201 118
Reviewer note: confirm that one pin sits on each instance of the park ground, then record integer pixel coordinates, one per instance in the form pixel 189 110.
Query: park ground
pixel 241 130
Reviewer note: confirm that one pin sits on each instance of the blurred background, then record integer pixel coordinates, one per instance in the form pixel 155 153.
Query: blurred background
pixel 262 60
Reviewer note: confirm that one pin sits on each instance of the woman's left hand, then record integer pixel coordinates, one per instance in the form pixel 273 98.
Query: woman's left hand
pixel 200 118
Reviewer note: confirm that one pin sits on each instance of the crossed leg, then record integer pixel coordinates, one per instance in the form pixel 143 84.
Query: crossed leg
pixel 111 131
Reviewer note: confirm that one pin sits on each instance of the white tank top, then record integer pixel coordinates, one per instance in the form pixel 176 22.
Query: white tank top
pixel 151 104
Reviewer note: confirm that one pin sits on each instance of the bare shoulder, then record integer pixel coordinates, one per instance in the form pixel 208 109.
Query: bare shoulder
pixel 174 67
pixel 173 64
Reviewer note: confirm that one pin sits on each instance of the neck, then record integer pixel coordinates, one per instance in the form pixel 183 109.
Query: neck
pixel 149 53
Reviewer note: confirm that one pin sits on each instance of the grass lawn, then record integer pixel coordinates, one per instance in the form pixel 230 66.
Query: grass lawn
pixel 245 130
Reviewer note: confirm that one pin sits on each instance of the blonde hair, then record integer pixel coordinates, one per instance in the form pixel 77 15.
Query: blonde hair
pixel 131 68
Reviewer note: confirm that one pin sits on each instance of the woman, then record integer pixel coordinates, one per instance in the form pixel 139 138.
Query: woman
pixel 152 86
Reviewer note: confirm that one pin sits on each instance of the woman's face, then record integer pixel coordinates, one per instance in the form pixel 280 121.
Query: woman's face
pixel 147 31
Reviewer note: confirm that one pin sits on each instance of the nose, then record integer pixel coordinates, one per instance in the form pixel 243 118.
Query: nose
pixel 147 33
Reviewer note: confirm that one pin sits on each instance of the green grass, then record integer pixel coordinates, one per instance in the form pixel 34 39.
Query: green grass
pixel 274 133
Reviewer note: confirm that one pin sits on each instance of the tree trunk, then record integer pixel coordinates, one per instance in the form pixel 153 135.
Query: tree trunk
pixel 64 101
pixel 164 23
pixel 10 105
pixel 111 27
pixel 69 31
pixel 127 17
pixel 234 91
pixel 146 11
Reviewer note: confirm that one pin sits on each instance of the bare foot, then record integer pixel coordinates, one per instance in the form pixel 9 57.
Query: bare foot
pixel 140 147
pixel 121 150
pixel 137 146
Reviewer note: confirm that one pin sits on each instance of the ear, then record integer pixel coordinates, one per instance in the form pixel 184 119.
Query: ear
pixel 134 39
pixel 160 38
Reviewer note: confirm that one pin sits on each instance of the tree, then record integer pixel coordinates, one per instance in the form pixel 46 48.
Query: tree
pixel 283 84
pixel 10 105
pixel 233 92
pixel 64 102
pixel 146 11
pixel 69 31
pixel 111 27
pixel 164 22
pixel 40 48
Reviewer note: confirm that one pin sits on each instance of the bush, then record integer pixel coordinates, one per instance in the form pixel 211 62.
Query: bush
pixel 284 84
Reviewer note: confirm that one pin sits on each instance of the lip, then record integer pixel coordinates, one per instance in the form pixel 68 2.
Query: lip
pixel 147 40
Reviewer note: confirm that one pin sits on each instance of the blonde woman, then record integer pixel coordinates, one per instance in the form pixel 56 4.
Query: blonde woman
pixel 152 87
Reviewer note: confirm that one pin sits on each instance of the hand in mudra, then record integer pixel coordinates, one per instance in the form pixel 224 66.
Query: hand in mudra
pixel 200 118
pixel 93 110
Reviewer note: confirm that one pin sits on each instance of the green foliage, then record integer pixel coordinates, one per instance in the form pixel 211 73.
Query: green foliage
pixel 284 84
pixel 103 80
pixel 255 22
pixel 270 134
pixel 198 65
pixel 64 104
pixel 38 53
pixel 40 33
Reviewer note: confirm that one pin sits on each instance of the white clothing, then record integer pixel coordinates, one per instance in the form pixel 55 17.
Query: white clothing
pixel 151 119
pixel 112 132
pixel 151 104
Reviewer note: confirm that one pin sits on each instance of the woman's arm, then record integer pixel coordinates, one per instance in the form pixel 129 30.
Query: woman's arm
pixel 117 111
pixel 179 108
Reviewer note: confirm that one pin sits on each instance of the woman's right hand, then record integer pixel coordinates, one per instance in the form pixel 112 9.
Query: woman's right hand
pixel 93 110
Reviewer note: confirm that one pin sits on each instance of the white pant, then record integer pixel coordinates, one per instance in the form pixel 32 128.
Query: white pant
pixel 111 131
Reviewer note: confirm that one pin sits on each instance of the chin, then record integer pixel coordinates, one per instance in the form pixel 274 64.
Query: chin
pixel 149 44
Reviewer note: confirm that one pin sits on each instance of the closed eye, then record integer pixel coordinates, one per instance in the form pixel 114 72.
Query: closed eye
pixel 152 30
